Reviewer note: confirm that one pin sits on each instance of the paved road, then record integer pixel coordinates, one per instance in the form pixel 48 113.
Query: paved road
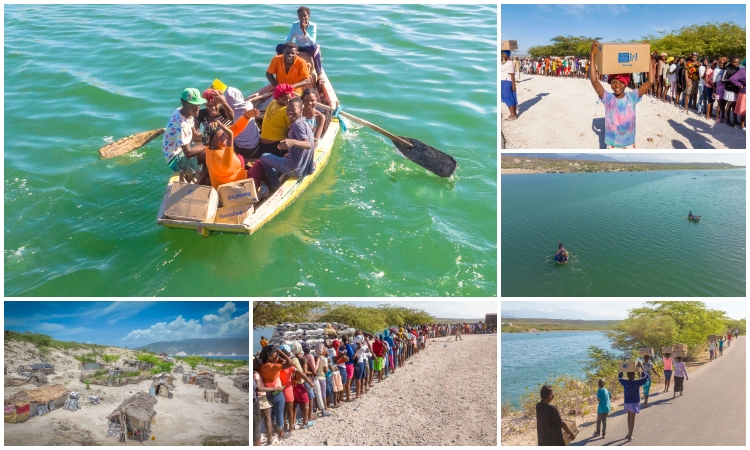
pixel 714 394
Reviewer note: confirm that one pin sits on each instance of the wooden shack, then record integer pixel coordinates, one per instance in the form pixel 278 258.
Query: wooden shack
pixel 133 417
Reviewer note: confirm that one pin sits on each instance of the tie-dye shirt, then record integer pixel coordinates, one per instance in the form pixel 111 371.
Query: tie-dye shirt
pixel 619 118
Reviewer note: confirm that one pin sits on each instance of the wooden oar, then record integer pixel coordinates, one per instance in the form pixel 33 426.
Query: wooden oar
pixel 138 140
pixel 415 150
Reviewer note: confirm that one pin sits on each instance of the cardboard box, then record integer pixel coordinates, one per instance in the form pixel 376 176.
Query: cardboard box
pixel 679 348
pixel 191 202
pixel 238 193
pixel 614 58
pixel 712 338
pixel 573 427
pixel 233 214
pixel 647 351
pixel 509 45
pixel 666 350
pixel 675 354
pixel 627 366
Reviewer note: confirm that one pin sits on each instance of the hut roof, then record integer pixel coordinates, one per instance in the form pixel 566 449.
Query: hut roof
pixel 242 371
pixel 162 375
pixel 206 372
pixel 41 366
pixel 140 406
pixel 41 395
pixel 164 382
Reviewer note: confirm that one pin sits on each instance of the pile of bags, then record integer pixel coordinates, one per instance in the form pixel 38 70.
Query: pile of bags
pixel 72 403
pixel 312 333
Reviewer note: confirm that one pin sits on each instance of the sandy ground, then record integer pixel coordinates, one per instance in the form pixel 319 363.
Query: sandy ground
pixel 185 419
pixel 445 395
pixel 525 428
pixel 559 113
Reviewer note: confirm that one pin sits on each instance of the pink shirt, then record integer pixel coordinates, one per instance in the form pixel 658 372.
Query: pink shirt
pixel 709 77
pixel 667 363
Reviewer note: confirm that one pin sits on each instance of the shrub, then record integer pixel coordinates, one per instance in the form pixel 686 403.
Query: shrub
pixel 572 397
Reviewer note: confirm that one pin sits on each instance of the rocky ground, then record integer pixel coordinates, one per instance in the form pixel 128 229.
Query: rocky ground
pixel 445 395
pixel 559 113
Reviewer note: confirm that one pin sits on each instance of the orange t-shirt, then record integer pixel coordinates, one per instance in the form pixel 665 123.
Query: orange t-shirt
pixel 223 165
pixel 297 73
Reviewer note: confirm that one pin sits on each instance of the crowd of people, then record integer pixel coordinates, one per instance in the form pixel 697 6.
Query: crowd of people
pixel 213 145
pixel 314 381
pixel 711 87
pixel 550 426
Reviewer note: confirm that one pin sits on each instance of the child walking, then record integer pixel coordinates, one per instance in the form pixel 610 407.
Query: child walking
pixel 667 370
pixel 648 367
pixel 619 108
pixel 633 396
pixel 680 375
pixel 604 409
pixel 721 346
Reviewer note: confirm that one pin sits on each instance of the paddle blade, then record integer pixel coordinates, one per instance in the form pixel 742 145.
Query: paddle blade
pixel 428 157
pixel 128 144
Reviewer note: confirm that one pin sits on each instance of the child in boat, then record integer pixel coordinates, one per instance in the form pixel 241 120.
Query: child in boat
pixel 632 396
pixel 312 116
pixel 224 165
pixel 619 108
pixel 305 34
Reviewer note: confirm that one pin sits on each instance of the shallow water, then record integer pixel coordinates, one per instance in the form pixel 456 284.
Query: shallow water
pixel 627 233
pixel 373 223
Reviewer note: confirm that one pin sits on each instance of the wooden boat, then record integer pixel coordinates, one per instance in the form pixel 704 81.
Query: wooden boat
pixel 695 218
pixel 290 189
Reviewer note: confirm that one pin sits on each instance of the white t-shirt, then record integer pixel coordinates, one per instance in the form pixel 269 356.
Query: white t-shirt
pixel 712 345
pixel 701 72
pixel 178 133
pixel 359 355
pixel 672 76
pixel 507 70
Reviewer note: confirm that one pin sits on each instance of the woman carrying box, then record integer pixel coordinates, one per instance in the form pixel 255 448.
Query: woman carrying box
pixel 680 375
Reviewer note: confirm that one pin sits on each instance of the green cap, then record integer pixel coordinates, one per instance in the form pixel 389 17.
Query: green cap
pixel 193 95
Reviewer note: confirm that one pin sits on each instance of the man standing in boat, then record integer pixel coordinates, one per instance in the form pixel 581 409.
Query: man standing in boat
pixel 289 68
pixel 177 146
pixel 300 143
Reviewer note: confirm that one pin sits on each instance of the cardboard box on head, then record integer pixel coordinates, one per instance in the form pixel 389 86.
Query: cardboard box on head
pixel 678 353
pixel 679 348
pixel 509 45
pixel 614 58
pixel 666 350
pixel 627 366
pixel 647 351
pixel 712 338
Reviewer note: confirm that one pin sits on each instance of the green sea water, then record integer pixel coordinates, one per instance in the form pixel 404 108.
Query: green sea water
pixel 372 224
pixel 628 234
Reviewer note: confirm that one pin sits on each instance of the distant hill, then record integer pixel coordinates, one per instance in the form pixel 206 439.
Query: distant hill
pixel 225 346
pixel 579 157
pixel 526 325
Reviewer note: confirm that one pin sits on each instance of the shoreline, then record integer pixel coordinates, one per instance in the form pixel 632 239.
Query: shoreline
pixel 514 171
pixel 547 331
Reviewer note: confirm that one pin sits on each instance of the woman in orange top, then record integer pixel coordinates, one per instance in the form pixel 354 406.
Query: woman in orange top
pixel 224 165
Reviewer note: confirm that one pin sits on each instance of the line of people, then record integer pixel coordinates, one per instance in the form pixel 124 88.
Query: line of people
pixel 292 378
pixel 213 145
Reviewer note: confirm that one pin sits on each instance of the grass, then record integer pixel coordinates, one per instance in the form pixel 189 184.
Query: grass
pixel 44 340
pixel 527 325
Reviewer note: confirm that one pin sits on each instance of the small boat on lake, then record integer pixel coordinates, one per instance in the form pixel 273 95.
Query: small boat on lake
pixel 695 218
pixel 290 189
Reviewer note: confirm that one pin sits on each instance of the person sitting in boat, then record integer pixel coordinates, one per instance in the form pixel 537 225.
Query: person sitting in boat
pixel 299 161
pixel 289 68
pixel 232 105
pixel 560 247
pixel 304 33
pixel 224 165
pixel 275 121
pixel 216 109
pixel 315 118
pixel 690 215
pixel 177 146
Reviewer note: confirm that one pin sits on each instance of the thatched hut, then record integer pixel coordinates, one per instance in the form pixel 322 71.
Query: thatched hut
pixel 242 382
pixel 38 379
pixel 133 417
pixel 178 369
pixel 30 403
pixel 164 375
pixel 242 371
pixel 205 378
pixel 162 387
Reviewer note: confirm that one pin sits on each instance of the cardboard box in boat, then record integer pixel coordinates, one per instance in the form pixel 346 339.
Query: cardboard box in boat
pixel 238 193
pixel 509 45
pixel 573 427
pixel 666 350
pixel 614 58
pixel 191 202
pixel 627 366
pixel 679 348
pixel 647 351
pixel 712 337
pixel 233 214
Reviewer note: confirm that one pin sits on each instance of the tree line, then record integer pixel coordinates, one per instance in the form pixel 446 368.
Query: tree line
pixel 711 39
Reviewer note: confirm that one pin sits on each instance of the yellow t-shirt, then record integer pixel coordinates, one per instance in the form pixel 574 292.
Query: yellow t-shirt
pixel 275 122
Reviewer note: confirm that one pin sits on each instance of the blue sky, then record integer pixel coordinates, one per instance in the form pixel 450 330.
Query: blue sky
pixel 129 323
pixel 532 25
pixel 599 309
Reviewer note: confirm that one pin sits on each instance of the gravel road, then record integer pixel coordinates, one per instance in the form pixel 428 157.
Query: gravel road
pixel 714 395
pixel 560 113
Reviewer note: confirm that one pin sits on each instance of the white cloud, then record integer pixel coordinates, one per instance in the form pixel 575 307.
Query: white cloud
pixel 209 326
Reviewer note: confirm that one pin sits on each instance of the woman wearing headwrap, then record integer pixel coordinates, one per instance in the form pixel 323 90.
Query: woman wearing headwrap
pixel 275 121
pixel 273 364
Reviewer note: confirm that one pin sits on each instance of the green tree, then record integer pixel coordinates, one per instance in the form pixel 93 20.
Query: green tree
pixel 369 319
pixel 648 330
pixel 603 364
pixel 267 313
pixel 109 359
pixel 193 361
pixel 710 39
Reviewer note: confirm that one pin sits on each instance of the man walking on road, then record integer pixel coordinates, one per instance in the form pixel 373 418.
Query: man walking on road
pixel 458 332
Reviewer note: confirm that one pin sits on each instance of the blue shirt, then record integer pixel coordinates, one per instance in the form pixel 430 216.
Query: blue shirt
pixel 300 161
pixel 632 388
pixel 603 395
pixel 350 354
pixel 303 40
pixel 390 342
